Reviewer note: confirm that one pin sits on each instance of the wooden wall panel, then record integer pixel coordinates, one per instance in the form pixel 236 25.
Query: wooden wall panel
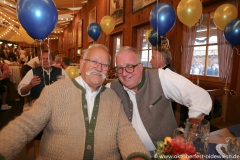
pixel 128 28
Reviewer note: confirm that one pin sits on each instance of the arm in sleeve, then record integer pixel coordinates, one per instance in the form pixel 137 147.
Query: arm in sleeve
pixel 6 72
pixel 15 135
pixel 183 91
pixel 25 82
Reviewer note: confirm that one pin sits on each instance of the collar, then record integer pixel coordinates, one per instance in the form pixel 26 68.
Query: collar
pixel 143 79
pixel 46 70
pixel 128 90
pixel 141 83
pixel 81 82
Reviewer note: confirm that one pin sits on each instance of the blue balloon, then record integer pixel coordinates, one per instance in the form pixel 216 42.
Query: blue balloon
pixel 37 17
pixel 232 32
pixel 94 31
pixel 162 18
pixel 154 38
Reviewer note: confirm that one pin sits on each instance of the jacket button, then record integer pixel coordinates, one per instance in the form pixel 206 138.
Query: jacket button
pixel 89 147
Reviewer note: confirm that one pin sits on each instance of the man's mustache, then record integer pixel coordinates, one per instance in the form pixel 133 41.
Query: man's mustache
pixel 96 72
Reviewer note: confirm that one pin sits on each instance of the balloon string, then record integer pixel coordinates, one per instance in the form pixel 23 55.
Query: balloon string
pixel 49 59
pixel 41 43
pixel 157 42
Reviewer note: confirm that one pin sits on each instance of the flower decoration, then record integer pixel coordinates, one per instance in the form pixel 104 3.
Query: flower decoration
pixel 175 149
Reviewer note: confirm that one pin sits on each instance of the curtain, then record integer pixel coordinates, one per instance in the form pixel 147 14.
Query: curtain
pixel 187 50
pixel 225 58
pixel 225 55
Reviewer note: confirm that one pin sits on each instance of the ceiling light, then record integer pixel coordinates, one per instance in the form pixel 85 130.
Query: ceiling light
pixel 84 1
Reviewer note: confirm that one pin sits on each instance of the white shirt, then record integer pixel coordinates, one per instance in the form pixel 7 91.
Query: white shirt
pixel 90 95
pixel 179 89
pixel 138 124
pixel 32 61
pixel 29 76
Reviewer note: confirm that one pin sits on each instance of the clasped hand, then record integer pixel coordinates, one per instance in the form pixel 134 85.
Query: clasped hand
pixel 35 81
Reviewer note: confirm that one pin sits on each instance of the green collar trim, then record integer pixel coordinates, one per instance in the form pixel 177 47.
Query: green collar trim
pixel 90 127
pixel 83 89
pixel 78 86
pixel 140 85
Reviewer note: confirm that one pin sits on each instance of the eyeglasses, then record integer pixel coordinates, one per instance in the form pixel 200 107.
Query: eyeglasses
pixel 128 68
pixel 94 63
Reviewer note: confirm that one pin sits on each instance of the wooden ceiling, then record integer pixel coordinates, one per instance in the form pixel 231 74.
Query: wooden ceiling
pixel 9 23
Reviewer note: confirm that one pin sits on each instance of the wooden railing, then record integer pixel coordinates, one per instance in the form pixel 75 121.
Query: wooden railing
pixel 219 105
pixel 226 106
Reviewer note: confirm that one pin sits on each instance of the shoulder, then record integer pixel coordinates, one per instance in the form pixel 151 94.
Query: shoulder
pixel 110 93
pixel 5 65
pixel 56 68
pixel 115 85
pixel 37 69
pixel 109 96
pixel 63 86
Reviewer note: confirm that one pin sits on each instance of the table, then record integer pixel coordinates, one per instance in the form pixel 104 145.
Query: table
pixel 16 73
pixel 220 136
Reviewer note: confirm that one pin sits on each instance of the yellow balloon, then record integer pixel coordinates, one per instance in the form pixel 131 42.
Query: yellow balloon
pixel 25 36
pixel 189 11
pixel 72 71
pixel 147 34
pixel 224 14
pixel 107 24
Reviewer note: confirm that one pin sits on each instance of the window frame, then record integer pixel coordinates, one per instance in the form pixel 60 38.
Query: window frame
pixel 208 80
pixel 140 44
pixel 113 46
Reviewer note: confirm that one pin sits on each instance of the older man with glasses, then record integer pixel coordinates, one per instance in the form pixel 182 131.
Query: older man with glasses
pixel 147 93
pixel 81 119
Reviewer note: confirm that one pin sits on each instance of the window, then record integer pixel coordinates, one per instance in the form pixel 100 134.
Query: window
pixel 144 47
pixel 205 53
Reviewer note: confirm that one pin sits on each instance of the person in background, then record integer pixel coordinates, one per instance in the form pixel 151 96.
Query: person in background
pixel 147 93
pixel 32 63
pixel 30 56
pixel 81 118
pixel 161 58
pixel 4 80
pixel 37 78
pixel 11 55
pixel 65 62
pixel 3 93
pixel 22 55
pixel 57 61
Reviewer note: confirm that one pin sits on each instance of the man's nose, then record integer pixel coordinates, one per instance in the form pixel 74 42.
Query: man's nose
pixel 99 66
pixel 124 72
